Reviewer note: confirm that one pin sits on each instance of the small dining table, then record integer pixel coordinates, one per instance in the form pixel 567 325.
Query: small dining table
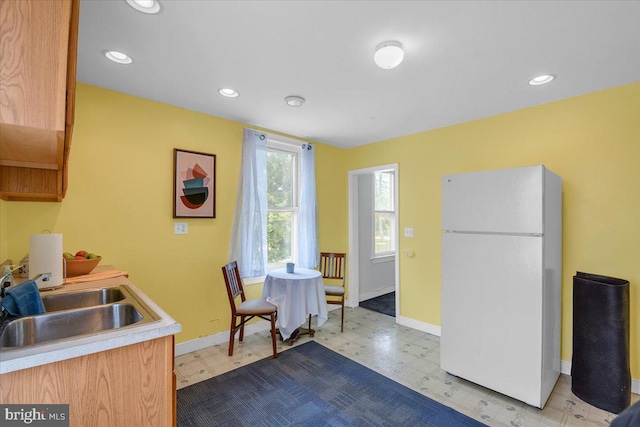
pixel 297 295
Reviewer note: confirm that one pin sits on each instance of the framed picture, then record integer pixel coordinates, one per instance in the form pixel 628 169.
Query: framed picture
pixel 194 184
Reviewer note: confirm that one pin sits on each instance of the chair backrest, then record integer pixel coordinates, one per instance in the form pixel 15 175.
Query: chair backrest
pixel 332 265
pixel 234 283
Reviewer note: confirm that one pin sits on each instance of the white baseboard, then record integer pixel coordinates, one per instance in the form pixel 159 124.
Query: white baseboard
pixel 219 338
pixel 223 337
pixel 420 326
pixel 378 292
pixel 565 366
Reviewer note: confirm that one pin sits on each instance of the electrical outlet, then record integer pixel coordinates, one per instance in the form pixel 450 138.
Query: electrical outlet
pixel 180 228
pixel 408 232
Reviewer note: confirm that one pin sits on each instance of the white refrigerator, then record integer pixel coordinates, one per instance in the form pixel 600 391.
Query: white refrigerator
pixel 501 280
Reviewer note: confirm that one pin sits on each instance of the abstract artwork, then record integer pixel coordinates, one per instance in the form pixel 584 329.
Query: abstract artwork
pixel 194 184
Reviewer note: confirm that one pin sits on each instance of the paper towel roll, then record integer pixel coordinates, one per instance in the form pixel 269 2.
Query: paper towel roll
pixel 45 256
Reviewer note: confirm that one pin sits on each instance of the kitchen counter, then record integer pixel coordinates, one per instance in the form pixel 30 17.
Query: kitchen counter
pixel 28 357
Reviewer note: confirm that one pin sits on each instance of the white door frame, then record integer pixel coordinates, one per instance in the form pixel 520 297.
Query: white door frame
pixel 354 257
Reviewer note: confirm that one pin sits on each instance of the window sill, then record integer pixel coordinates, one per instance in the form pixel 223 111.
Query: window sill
pixel 253 280
pixel 383 259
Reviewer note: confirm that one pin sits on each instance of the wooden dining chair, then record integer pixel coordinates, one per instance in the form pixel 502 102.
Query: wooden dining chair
pixel 333 266
pixel 247 309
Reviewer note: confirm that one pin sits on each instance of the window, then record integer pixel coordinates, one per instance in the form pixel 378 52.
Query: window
pixel 282 199
pixel 384 215
pixel 276 207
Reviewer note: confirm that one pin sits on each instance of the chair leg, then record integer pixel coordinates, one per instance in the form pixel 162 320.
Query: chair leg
pixel 241 328
pixel 309 321
pixel 342 310
pixel 273 335
pixel 232 333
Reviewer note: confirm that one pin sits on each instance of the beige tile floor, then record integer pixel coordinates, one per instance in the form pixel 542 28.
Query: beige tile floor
pixel 409 357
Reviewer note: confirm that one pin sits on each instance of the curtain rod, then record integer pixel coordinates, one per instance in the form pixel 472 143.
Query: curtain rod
pixel 280 138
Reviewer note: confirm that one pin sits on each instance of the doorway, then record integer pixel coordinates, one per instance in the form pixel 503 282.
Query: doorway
pixel 371 277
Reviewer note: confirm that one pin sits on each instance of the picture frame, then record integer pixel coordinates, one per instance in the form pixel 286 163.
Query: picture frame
pixel 194 184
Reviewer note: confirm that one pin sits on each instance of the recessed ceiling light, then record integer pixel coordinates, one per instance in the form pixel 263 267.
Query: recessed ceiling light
pixel 294 101
pixel 229 93
pixel 145 6
pixel 388 54
pixel 541 80
pixel 119 57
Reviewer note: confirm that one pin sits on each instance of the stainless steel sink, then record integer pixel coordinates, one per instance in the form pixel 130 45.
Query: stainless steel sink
pixel 77 314
pixel 81 299
pixel 32 330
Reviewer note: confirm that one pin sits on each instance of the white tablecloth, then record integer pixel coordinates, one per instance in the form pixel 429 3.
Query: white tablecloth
pixel 297 295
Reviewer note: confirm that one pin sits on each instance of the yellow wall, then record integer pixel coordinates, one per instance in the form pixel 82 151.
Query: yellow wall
pixel 119 203
pixel 3 230
pixel 119 198
pixel 591 141
pixel 331 183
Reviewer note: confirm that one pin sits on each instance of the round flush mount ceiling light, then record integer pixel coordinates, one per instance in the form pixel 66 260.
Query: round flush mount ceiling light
pixel 388 54
pixel 119 57
pixel 542 79
pixel 145 6
pixel 228 92
pixel 294 101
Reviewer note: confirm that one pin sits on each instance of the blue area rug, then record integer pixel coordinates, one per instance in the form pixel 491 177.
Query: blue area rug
pixel 385 304
pixel 310 385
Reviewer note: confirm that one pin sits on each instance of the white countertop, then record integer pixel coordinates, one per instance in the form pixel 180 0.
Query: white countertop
pixel 28 357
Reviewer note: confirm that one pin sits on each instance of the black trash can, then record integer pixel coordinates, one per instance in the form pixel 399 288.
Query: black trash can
pixel 600 366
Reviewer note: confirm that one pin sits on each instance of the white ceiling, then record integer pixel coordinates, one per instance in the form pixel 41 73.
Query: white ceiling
pixel 464 60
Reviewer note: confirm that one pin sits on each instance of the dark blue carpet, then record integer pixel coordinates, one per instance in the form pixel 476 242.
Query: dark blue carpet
pixel 385 304
pixel 310 385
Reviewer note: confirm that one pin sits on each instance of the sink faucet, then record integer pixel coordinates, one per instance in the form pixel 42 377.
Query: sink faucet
pixel 6 279
pixel 44 277
pixel 6 282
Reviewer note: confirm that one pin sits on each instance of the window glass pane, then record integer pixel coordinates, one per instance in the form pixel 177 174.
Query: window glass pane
pixel 383 223
pixel 384 214
pixel 279 238
pixel 280 173
pixel 383 182
pixel 282 200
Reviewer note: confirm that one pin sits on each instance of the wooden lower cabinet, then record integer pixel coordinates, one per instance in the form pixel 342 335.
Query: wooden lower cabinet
pixel 175 399
pixel 127 386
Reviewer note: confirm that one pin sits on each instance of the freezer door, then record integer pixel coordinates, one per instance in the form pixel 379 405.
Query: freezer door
pixel 501 201
pixel 492 312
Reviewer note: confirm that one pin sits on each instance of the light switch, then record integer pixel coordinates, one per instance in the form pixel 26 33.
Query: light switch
pixel 408 232
pixel 180 228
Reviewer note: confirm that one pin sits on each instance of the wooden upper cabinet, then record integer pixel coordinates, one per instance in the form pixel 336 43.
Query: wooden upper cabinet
pixel 38 42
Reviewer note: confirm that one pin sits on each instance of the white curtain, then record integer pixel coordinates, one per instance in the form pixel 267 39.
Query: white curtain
pixel 249 238
pixel 308 217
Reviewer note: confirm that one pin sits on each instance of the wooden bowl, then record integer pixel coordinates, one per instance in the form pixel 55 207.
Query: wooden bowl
pixel 78 267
